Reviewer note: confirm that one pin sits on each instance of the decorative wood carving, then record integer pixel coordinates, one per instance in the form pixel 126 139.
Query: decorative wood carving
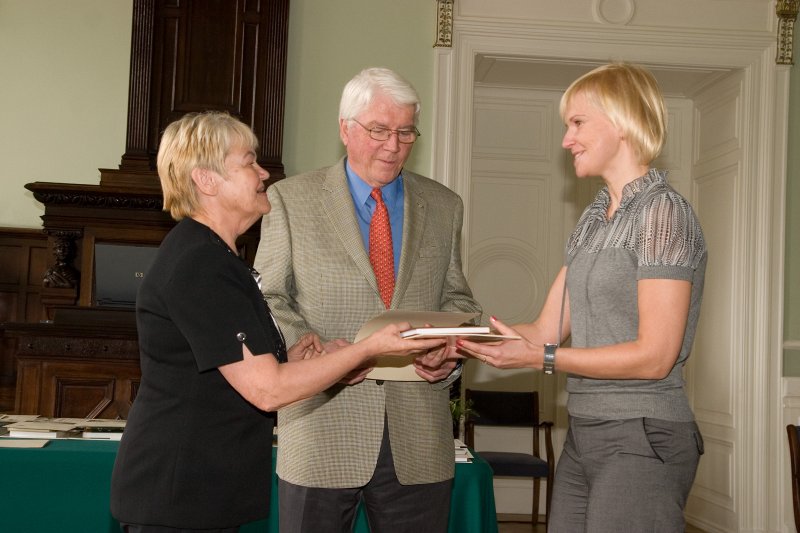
pixel 76 216
pixel 191 55
pixel 787 14
pixel 62 275
pixel 444 24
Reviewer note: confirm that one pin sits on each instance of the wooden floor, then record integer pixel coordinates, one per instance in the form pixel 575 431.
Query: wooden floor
pixel 522 527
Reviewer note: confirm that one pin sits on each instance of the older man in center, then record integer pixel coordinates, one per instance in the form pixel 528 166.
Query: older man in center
pixel 386 443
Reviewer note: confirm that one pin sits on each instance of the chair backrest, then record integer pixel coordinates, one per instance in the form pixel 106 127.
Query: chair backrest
pixel 514 409
pixel 794 454
pixel 503 408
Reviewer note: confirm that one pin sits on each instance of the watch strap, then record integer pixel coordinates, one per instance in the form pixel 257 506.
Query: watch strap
pixel 549 365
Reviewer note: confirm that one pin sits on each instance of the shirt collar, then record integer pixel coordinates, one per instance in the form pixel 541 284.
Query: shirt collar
pixel 361 190
pixel 629 191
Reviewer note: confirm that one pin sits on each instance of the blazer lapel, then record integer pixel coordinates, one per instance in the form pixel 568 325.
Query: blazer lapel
pixel 341 215
pixel 415 206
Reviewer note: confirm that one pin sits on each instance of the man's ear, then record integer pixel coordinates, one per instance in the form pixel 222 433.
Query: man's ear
pixel 343 130
pixel 205 181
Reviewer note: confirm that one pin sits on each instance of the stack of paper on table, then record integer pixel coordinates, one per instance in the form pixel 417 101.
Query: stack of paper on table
pixel 463 454
pixel 425 324
pixel 96 428
pixel 6 420
pixel 102 429
pixel 38 427
pixel 42 428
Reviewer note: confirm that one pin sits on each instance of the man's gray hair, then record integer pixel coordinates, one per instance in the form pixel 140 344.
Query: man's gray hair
pixel 360 91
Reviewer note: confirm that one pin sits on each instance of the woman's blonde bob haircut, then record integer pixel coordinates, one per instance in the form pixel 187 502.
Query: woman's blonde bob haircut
pixel 631 99
pixel 197 140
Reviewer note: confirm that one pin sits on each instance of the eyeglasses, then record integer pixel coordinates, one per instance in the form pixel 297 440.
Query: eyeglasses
pixel 379 133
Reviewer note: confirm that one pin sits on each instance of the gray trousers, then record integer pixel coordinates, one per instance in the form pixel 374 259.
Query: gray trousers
pixel 624 475
pixel 391 507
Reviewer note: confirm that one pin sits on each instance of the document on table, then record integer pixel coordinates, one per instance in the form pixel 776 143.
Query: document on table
pixel 402 368
pixel 42 428
pixel 463 455
pixel 23 443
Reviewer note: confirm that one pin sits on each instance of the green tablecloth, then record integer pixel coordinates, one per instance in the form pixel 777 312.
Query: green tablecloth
pixel 65 487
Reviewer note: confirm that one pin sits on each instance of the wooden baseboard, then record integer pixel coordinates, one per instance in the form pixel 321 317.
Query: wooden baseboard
pixel 512 517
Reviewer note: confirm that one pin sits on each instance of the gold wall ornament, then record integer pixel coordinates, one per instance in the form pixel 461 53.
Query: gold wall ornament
pixel 444 24
pixel 787 14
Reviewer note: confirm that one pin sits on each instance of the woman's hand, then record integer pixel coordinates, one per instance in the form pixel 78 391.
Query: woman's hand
pixel 506 354
pixel 388 342
pixel 357 375
pixel 307 347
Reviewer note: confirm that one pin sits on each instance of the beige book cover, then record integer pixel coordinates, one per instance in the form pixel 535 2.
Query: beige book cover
pixel 402 368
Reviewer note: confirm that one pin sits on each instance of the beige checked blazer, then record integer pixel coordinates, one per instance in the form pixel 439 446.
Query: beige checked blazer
pixel 317 277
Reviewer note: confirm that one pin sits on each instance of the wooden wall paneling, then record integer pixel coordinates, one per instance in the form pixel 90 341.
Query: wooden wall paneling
pixel 38 259
pixel 77 389
pixel 79 366
pixel 191 56
pixel 28 388
pixel 23 260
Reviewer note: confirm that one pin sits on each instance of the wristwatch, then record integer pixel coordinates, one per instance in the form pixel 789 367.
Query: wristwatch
pixel 549 358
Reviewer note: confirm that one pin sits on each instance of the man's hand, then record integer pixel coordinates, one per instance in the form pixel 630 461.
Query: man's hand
pixel 307 347
pixel 436 365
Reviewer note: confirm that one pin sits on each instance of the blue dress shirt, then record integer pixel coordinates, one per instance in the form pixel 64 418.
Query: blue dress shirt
pixel 393 198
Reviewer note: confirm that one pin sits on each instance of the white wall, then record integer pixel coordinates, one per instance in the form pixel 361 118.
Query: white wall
pixel 63 93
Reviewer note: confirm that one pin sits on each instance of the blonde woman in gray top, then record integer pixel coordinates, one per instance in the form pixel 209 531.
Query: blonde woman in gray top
pixel 629 295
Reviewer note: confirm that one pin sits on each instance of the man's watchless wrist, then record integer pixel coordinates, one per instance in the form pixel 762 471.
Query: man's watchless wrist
pixel 549 364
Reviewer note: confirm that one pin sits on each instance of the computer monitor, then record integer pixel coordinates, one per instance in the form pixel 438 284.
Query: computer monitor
pixel 118 271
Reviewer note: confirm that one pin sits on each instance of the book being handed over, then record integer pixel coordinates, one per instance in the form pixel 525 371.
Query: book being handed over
pixel 471 333
pixel 424 324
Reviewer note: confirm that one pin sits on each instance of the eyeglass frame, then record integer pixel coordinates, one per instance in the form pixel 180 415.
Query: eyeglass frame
pixel 416 132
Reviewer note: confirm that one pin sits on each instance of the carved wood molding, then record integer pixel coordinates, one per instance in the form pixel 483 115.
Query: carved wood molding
pixel 70 208
pixel 96 198
pixel 787 14
pixel 83 348
pixel 444 24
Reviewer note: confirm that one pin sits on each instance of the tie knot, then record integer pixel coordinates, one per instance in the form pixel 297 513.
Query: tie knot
pixel 376 195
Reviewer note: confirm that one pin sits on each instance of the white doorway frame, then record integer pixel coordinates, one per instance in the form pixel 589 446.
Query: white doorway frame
pixel 758 494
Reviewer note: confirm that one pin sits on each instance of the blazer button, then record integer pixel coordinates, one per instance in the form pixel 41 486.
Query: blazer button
pixel 379 382
pixel 241 336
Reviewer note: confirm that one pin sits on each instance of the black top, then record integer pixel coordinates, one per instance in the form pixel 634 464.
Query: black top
pixel 195 454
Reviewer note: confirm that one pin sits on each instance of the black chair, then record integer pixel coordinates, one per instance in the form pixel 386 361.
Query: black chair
pixel 794 455
pixel 514 409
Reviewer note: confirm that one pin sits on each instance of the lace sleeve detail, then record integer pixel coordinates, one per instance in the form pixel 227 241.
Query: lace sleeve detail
pixel 669 233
